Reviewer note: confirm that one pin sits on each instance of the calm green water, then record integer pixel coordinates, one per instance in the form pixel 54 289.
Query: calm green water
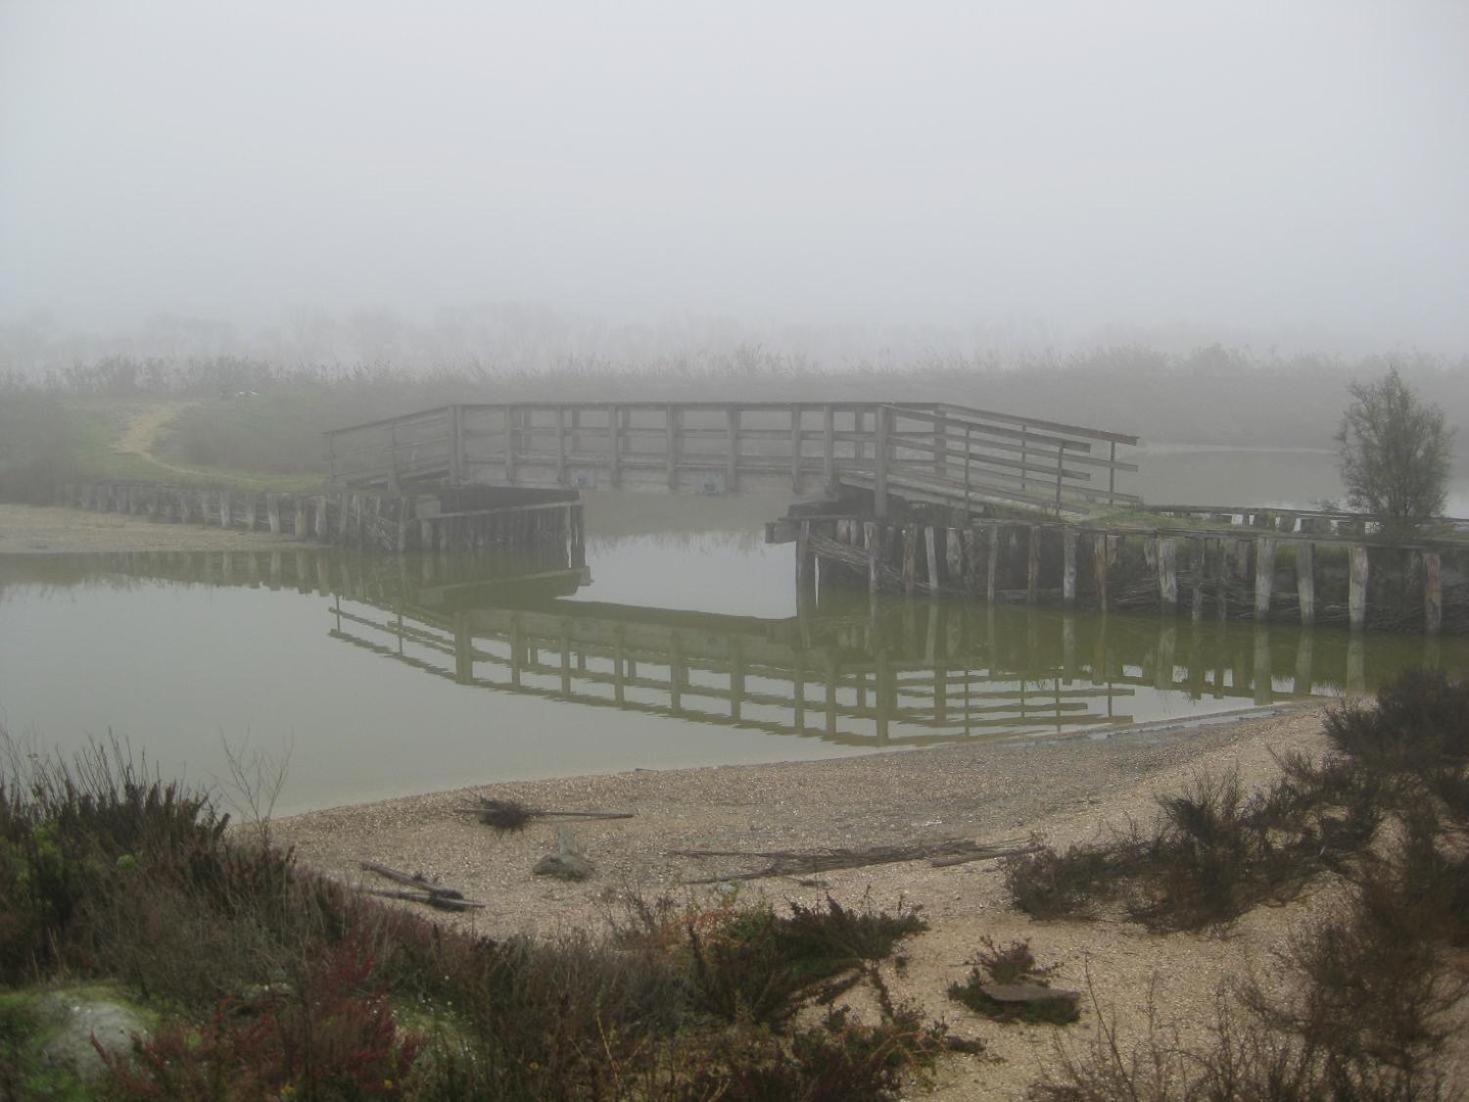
pixel 388 677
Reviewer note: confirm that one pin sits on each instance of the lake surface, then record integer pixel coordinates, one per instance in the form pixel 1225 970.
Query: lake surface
pixel 678 647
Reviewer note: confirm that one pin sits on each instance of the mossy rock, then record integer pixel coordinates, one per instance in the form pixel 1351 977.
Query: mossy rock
pixel 46 1038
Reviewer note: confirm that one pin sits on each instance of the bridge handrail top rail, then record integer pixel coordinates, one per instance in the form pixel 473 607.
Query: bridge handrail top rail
pixel 960 412
pixel 395 420
pixel 975 413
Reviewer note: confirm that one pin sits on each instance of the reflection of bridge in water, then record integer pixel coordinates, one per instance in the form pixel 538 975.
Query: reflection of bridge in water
pixel 894 672
pixel 917 673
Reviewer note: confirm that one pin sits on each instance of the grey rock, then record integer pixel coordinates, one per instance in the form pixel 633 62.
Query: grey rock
pixel 75 1018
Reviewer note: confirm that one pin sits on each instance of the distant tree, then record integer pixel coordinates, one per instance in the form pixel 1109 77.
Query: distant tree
pixel 1394 451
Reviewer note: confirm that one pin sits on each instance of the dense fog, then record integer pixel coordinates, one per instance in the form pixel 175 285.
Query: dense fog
pixel 839 184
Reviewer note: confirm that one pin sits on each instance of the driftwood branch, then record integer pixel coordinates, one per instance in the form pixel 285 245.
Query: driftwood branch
pixel 514 815
pixel 438 902
pixel 951 851
pixel 423 890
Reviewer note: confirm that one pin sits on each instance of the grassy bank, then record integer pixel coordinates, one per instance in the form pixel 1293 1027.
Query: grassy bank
pixel 263 980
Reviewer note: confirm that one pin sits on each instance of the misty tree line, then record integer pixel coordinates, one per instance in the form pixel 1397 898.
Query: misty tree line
pixel 1211 395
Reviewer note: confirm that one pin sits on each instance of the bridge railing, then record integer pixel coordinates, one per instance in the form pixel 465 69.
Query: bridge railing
pixel 953 455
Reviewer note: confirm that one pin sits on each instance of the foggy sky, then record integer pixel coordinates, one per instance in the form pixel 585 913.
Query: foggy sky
pixel 1241 170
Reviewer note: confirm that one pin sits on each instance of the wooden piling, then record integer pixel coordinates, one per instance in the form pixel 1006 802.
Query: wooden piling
pixel 991 560
pixel 1099 568
pixel 1357 586
pixel 910 558
pixel 1264 576
pixel 930 540
pixel 1033 564
pixel 1306 581
pixel 1199 561
pixel 1167 552
pixel 1432 593
pixel 873 544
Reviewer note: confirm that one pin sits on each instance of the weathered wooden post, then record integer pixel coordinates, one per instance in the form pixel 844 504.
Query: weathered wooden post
pixel 1306 581
pixel 1032 564
pixel 829 443
pixel 732 460
pixel 273 513
pixel 510 414
pixel 1168 574
pixel 910 558
pixel 561 478
pixel 1264 576
pixel 1099 568
pixel 880 479
pixel 991 559
pixel 1068 566
pixel 673 418
pixel 805 570
pixel 930 539
pixel 873 543
pixel 616 422
pixel 1199 556
pixel 1432 593
pixel 797 444
pixel 1357 586
pixel 953 556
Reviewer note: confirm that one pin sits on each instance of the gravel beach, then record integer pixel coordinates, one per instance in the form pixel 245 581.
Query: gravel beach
pixel 1059 789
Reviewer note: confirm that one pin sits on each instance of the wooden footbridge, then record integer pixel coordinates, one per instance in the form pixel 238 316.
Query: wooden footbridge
pixel 953 456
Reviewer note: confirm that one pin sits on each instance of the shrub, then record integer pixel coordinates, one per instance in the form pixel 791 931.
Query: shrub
pixel 1394 451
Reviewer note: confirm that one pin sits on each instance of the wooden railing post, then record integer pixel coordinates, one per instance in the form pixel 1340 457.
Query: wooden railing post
pixel 796 449
pixel 880 486
pixel 456 444
pixel 509 443
pixel 614 432
pixel 829 443
pixel 560 446
pixel 671 414
pixel 732 461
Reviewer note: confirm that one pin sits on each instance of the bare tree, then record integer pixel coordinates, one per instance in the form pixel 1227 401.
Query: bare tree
pixel 1394 451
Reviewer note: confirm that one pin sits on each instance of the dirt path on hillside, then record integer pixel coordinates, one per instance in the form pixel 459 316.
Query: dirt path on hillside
pixel 142 434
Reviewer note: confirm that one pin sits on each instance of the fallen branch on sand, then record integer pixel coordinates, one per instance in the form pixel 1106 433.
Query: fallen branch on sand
pixel 514 815
pixel 951 851
pixel 424 890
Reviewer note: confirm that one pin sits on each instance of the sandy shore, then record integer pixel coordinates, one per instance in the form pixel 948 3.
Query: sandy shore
pixel 37 529
pixel 1063 790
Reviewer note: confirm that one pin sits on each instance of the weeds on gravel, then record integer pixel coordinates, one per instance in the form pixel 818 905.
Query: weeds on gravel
pixel 1370 1001
pixel 1013 966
